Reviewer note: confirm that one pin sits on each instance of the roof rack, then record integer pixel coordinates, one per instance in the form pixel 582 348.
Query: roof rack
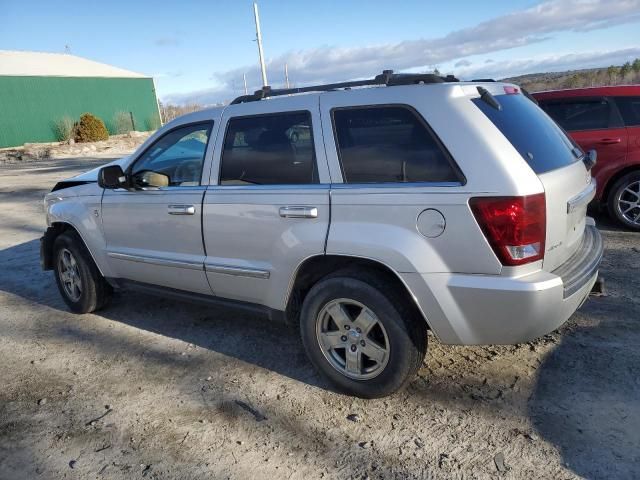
pixel 387 77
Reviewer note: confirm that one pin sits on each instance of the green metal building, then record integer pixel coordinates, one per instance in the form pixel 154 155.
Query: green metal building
pixel 38 89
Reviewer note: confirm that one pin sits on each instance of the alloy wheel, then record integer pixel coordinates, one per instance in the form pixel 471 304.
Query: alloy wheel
pixel 69 275
pixel 352 339
pixel 629 203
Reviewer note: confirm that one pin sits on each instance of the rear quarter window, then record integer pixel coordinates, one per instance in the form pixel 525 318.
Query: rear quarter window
pixel 540 142
pixel 630 110
pixel 390 144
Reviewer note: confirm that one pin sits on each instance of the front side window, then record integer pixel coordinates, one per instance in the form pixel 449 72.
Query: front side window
pixel 579 114
pixel 384 144
pixel 175 159
pixel 273 149
pixel 630 109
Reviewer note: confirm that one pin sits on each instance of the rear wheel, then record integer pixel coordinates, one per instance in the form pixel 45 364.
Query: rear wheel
pixel 359 337
pixel 624 201
pixel 79 281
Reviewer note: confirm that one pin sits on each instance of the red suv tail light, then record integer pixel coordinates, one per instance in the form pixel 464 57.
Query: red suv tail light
pixel 514 226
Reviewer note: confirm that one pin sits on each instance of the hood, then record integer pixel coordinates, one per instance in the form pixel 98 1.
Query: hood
pixel 87 177
pixel 92 175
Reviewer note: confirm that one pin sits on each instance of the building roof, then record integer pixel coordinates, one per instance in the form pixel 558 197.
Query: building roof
pixel 42 64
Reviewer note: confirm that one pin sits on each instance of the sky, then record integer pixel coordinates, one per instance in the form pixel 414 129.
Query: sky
pixel 197 51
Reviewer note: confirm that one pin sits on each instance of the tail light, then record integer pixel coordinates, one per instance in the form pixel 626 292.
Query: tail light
pixel 514 226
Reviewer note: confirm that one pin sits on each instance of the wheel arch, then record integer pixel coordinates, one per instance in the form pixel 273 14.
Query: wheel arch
pixel 615 177
pixel 54 231
pixel 313 269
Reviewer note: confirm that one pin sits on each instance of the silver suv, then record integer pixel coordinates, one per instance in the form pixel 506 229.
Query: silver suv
pixel 365 212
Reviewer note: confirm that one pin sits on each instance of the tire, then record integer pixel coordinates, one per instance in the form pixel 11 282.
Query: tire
pixel 625 194
pixel 401 336
pixel 79 281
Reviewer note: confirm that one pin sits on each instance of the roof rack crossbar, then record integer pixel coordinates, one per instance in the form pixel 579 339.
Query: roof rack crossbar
pixel 387 77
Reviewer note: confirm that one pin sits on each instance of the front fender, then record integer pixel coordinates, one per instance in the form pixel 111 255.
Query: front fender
pixel 83 214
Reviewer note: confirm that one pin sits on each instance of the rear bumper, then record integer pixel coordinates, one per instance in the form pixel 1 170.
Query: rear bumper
pixel 486 309
pixel 583 264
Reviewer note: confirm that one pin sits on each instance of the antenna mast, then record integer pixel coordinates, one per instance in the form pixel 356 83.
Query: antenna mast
pixel 259 40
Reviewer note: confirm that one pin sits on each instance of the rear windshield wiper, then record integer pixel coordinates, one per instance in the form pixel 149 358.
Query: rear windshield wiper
pixel 486 97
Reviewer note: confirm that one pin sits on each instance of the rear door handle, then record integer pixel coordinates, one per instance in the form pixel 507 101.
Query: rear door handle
pixel 298 211
pixel 609 141
pixel 181 209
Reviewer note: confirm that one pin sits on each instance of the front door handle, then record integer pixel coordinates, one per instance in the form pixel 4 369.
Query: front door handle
pixel 609 141
pixel 298 211
pixel 181 209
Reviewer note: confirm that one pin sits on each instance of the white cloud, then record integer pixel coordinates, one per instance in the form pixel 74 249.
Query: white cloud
pixel 524 27
pixel 550 63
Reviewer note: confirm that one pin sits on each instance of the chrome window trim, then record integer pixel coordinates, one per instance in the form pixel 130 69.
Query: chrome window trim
pixel 348 186
pixel 237 271
pixel 157 190
pixel 156 261
pixel 279 186
pixel 333 186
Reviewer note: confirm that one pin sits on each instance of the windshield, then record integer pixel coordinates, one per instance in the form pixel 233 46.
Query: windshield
pixel 540 141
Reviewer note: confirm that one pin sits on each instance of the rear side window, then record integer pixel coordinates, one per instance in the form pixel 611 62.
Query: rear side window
pixel 630 109
pixel 542 144
pixel 581 114
pixel 274 149
pixel 389 144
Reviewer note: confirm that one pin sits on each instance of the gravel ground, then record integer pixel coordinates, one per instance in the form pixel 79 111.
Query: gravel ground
pixel 153 388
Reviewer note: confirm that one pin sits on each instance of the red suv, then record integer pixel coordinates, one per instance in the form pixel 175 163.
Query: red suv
pixel 606 119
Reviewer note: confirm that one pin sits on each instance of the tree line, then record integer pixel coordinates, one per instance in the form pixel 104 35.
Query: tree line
pixel 627 73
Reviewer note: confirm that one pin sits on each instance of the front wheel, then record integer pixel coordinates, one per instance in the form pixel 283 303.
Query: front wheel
pixel 79 281
pixel 624 201
pixel 360 338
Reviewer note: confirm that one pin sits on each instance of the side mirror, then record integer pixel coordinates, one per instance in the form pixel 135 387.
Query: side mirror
pixel 111 177
pixel 590 159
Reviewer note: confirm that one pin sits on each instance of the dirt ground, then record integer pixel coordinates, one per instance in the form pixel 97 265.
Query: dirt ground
pixel 159 389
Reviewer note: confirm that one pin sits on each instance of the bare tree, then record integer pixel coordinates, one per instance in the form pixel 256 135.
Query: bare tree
pixel 636 67
pixel 169 112
pixel 612 71
pixel 624 71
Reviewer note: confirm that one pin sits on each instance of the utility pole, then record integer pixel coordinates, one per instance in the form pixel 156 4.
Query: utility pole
pixel 244 79
pixel 259 40
pixel 286 74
